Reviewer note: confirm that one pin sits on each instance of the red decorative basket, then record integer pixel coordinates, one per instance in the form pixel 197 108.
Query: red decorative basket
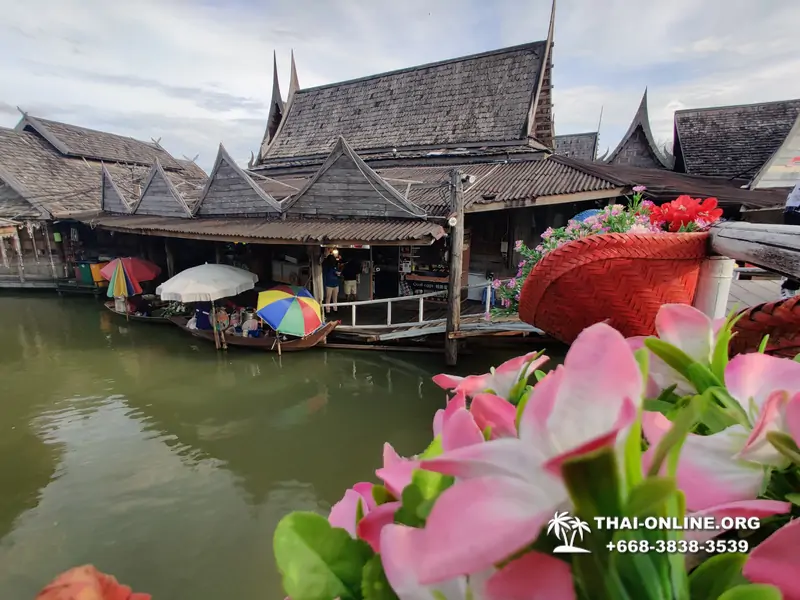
pixel 780 320
pixel 617 277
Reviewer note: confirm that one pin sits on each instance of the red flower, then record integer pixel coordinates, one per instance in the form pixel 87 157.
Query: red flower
pixel 87 583
pixel 685 210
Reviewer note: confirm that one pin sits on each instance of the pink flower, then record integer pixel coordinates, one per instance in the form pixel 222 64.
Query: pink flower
pixel 518 245
pixel 648 204
pixel 639 189
pixel 775 561
pixel 396 471
pixel 496 413
pixel 343 513
pixel 512 283
pixel 509 487
pixel 521 264
pixel 496 284
pixel 88 583
pixel 533 576
pixel 499 381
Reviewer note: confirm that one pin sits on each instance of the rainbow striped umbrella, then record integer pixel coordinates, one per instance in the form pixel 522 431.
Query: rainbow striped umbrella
pixel 122 284
pixel 290 309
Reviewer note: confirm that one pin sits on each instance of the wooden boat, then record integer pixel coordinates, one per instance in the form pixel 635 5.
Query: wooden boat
pixel 268 343
pixel 152 319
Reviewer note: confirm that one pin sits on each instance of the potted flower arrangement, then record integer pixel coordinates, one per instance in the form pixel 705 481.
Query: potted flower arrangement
pixel 646 468
pixel 620 265
pixel 579 483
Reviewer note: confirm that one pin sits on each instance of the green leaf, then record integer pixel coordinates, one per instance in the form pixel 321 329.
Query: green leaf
pixel 752 591
pixel 381 495
pixel 685 420
pixel 633 454
pixel 541 374
pixel 643 358
pixel 407 513
pixel 732 406
pixel 433 450
pixel 431 484
pixel 316 560
pixel 796 358
pixel 650 496
pixel 717 575
pixel 674 357
pixel 659 406
pixel 521 407
pixel 487 433
pixel 374 585
pixel 793 498
pixel 762 347
pixel 359 511
pixel 719 355
pixel 702 378
pixel 784 444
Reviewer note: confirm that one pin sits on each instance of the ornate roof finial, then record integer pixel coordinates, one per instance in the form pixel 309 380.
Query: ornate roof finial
pixel 276 108
pixel 294 83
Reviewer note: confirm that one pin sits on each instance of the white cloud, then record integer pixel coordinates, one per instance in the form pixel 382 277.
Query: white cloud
pixel 195 73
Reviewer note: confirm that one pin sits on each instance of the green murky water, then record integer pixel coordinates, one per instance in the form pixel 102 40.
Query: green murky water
pixel 141 450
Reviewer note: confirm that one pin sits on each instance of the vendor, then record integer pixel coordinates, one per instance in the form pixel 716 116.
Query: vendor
pixel 202 315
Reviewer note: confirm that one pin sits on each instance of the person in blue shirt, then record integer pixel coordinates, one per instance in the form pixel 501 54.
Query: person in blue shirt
pixel 330 279
pixel 791 216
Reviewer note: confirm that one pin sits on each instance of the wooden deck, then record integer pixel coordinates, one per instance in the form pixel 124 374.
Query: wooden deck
pixel 746 293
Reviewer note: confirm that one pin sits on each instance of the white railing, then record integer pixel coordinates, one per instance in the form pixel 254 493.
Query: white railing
pixel 419 298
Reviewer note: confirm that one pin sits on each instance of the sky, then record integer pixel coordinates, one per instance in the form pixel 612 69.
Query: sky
pixel 195 73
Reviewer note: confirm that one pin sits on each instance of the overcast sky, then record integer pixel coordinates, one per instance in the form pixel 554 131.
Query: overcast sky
pixel 198 72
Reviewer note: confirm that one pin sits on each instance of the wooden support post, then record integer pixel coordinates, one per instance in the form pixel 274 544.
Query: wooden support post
pixel 170 258
pixel 47 235
pixel 213 316
pixel 714 286
pixel 218 252
pixel 20 261
pixel 315 256
pixel 454 287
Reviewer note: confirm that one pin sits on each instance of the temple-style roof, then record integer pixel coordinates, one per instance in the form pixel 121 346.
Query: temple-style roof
pixel 161 198
pixel 344 186
pixel 231 191
pixel 783 169
pixel 471 100
pixel 582 146
pixel 72 140
pixel 638 147
pixel 731 141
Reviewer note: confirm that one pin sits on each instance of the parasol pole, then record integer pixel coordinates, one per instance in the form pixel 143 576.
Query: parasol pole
pixel 224 342
pixel 214 324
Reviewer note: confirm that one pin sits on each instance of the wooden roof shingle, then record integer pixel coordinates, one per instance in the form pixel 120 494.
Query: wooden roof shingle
pixel 72 140
pixel 472 99
pixel 582 146
pixel 731 141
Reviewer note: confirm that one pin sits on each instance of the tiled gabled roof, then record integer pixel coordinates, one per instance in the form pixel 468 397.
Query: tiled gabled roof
pixel 731 141
pixel 72 140
pixel 582 146
pixel 480 98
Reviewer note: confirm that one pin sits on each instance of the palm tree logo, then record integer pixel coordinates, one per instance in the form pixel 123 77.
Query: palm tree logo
pixel 566 528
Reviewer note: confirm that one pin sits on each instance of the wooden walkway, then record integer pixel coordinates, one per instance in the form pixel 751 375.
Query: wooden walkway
pixel 746 293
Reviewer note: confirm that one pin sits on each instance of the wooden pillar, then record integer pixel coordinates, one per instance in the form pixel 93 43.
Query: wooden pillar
pixel 315 257
pixel 20 260
pixel 170 258
pixel 218 252
pixel 47 234
pixel 454 288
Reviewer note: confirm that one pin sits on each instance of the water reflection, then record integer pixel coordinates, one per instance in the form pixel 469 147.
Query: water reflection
pixel 168 464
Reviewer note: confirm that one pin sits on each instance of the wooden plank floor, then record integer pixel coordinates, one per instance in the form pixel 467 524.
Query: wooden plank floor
pixel 754 291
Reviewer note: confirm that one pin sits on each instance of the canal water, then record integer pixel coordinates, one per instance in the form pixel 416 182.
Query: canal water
pixel 143 451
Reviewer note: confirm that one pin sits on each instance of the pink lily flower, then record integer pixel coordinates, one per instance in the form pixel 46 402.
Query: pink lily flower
pixel 344 513
pixel 87 583
pixel 775 561
pixel 690 330
pixel 499 381
pixel 764 386
pixel 493 411
pixel 746 509
pixel 534 576
pixel 396 472
pixel 510 487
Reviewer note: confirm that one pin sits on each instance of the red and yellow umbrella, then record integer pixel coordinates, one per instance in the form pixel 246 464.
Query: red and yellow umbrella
pixel 290 309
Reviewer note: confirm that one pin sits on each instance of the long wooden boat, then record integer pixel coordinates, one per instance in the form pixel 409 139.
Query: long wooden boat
pixel 144 319
pixel 268 343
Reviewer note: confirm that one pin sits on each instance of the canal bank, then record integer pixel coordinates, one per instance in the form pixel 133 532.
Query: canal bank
pixel 168 464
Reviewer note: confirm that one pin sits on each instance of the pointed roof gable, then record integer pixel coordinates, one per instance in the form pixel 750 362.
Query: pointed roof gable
pixel 160 198
pixel 276 109
pixel 540 115
pixel 112 199
pixel 230 191
pixel 344 186
pixel 731 141
pixel 783 169
pixel 638 147
pixel 475 99
pixel 294 83
pixel 72 140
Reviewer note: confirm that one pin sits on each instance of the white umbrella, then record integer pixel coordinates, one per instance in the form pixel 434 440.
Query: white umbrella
pixel 207 283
